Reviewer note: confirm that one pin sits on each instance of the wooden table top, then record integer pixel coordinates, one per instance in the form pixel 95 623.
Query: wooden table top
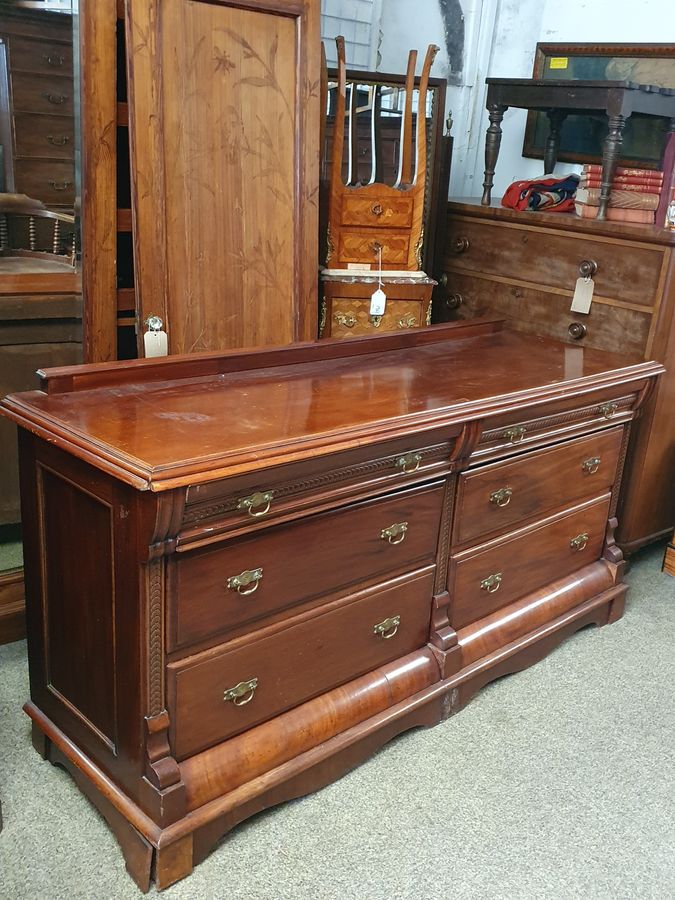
pixel 156 431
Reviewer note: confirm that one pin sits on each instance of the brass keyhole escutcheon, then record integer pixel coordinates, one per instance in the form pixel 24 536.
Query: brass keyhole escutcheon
pixel 502 497
pixel 388 628
pixel 241 693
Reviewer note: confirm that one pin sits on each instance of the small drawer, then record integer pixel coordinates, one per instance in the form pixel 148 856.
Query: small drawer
pixel 44 94
pixel 509 434
pixel 546 257
pixel 44 136
pixel 252 578
pixel 361 247
pixel 351 317
pixel 378 212
pixel 53 182
pixel 44 57
pixel 242 685
pixel 486 578
pixel 496 497
pixel 254 501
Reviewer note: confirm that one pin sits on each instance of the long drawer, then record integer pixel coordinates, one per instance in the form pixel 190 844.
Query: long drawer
pixel 226 692
pixel 495 497
pixel 488 577
pixel 46 57
pixel 252 578
pixel 50 137
pixel 550 258
pixel 351 317
pixel 42 93
pixel 53 181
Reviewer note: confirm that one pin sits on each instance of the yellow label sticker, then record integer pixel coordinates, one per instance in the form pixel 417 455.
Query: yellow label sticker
pixel 558 62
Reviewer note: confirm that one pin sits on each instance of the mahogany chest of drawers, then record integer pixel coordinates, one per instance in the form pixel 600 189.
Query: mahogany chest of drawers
pixel 524 267
pixel 245 573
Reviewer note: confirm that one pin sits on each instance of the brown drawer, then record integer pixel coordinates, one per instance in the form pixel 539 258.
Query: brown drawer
pixel 544 257
pixel 498 496
pixel 251 502
pixel 46 57
pixel 295 564
pixel 359 247
pixel 511 433
pixel 53 182
pixel 380 213
pixel 42 93
pixel 538 312
pixel 486 578
pixel 350 317
pixel 295 664
pixel 43 136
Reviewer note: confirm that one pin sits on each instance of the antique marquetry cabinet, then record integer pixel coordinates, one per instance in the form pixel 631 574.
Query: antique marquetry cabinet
pixel 245 573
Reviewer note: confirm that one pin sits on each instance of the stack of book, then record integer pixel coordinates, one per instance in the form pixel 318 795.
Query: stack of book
pixel 634 197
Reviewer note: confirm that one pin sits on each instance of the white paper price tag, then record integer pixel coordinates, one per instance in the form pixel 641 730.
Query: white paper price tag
pixel 583 295
pixel 155 343
pixel 378 301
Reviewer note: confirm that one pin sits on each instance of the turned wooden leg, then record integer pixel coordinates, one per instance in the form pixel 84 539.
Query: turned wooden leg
pixel 610 157
pixel 556 117
pixel 493 139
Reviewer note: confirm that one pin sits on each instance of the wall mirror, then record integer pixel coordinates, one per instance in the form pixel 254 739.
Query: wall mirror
pixel 40 296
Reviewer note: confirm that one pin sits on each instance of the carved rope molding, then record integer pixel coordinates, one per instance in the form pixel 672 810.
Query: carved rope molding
pixel 155 594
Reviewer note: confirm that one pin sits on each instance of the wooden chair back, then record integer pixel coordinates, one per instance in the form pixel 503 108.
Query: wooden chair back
pixel 22 236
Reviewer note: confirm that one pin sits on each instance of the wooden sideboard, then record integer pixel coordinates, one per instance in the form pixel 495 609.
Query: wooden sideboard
pixel 245 573
pixel 523 266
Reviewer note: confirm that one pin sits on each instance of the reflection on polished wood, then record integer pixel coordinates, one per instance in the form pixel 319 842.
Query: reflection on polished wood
pixel 350 482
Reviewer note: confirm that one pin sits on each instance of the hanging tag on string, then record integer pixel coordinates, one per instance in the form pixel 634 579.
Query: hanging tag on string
pixel 378 299
pixel 155 340
pixel 583 295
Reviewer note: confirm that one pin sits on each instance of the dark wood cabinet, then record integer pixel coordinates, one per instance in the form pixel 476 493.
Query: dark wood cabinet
pixel 247 572
pixel 524 266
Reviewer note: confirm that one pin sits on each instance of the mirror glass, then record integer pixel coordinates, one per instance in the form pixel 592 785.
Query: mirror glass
pixel 40 296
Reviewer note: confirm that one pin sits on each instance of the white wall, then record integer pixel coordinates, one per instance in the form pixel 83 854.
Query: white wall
pixel 500 40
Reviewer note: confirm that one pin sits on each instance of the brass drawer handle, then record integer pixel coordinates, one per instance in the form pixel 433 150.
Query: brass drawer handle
pixel 60 141
pixel 502 497
pixel 591 465
pixel 347 319
pixel 409 463
pixel 253 503
pixel 407 321
pixel 56 61
pixel 580 541
pixel 249 577
pixel 492 583
pixel 63 186
pixel 395 534
pixel 241 693
pixel 377 209
pixel 56 99
pixel 515 434
pixel 388 628
pixel 608 409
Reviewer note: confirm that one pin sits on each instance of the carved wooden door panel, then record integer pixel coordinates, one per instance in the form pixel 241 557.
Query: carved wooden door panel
pixel 224 125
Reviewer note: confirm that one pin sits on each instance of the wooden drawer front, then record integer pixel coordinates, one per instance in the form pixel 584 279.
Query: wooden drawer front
pixel 53 182
pixel 509 434
pixel 256 500
pixel 380 213
pixel 489 577
pixel 295 664
pixel 45 57
pixel 498 496
pixel 359 247
pixel 43 136
pixel 39 93
pixel 539 312
pixel 350 317
pixel 305 561
pixel 626 271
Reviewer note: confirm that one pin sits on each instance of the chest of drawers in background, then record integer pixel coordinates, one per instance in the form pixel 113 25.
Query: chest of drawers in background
pixel 39 106
pixel 524 266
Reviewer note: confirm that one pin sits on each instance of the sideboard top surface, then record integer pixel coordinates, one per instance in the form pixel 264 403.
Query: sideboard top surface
pixel 305 401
